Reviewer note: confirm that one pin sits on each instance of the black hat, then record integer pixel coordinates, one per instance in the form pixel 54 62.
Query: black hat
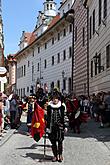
pixel 56 95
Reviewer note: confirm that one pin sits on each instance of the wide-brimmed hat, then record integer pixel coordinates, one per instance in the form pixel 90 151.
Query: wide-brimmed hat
pixel 56 95
pixel 32 97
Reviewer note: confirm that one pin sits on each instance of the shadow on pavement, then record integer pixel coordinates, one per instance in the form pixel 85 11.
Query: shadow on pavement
pixel 39 157
pixel 88 130
pixel 92 130
pixel 34 146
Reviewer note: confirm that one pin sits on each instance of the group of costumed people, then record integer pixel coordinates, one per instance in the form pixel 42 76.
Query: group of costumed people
pixel 48 115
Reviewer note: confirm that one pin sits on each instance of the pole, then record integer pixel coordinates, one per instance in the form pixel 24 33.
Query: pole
pixel 72 72
pixel 45 145
pixel 87 51
pixel 45 142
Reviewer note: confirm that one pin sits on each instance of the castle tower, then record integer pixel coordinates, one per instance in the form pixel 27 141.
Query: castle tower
pixel 1 39
pixel 50 8
pixel 45 16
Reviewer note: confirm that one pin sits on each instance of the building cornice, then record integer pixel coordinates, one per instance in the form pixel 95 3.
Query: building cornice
pixel 40 37
pixel 62 4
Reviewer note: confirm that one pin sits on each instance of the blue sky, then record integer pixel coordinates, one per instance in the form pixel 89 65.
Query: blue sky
pixel 19 15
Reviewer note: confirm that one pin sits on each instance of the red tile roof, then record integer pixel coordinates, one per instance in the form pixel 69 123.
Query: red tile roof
pixel 32 38
pixel 54 20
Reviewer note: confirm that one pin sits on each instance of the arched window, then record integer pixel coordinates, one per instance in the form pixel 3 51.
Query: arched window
pixel 51 6
pixel 47 6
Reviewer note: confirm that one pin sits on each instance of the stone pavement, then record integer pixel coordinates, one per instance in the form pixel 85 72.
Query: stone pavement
pixel 6 135
pixel 91 147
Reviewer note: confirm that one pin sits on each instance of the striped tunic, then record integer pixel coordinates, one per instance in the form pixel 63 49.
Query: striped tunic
pixel 55 121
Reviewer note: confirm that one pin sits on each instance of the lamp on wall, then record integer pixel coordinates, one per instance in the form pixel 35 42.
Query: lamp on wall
pixel 63 74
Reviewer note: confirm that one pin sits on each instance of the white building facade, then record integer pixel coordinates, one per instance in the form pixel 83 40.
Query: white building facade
pixel 48 60
pixel 99 45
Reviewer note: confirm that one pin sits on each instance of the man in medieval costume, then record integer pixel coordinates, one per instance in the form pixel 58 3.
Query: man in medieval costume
pixel 56 126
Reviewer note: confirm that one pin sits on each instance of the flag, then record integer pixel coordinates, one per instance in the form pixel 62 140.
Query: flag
pixel 38 123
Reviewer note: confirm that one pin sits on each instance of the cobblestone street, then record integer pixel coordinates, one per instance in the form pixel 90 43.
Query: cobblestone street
pixel 91 147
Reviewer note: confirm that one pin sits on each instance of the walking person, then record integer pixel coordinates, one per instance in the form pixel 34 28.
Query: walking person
pixel 56 126
pixel 13 111
pixel 107 108
pixel 30 112
pixel 1 116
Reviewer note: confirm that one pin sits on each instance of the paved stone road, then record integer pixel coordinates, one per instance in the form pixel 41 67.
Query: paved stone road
pixel 91 147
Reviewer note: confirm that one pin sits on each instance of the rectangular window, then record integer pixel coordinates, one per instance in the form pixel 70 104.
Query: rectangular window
pixel 93 21
pixel 70 28
pixel 70 52
pixel 52 60
pixel 32 72
pixel 64 32
pixel 64 55
pixel 45 45
pixel 53 41
pixel 28 63
pixel 108 56
pixel 23 91
pixel 90 28
pixel 38 49
pixel 58 84
pixel 58 60
pixel 95 68
pixel 105 9
pixel 100 11
pixel 33 53
pixel 58 36
pixel 99 63
pixel 45 64
pixel 64 84
pixel 76 33
pixel 38 67
pixel 83 36
pixel 24 70
pixel 27 89
pixel 91 68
